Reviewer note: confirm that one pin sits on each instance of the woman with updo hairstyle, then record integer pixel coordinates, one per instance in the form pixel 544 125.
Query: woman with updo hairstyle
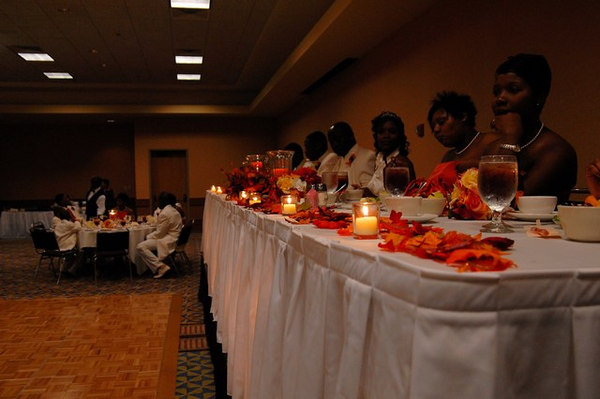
pixel 547 162
pixel 391 145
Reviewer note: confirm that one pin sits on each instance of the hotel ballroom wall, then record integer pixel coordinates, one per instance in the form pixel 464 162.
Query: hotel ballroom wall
pixel 457 46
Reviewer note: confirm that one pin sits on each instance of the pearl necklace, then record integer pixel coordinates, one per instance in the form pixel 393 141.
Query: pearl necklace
pixel 534 137
pixel 467 146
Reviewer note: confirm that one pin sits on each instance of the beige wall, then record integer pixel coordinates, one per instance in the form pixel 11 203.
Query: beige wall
pixel 39 160
pixel 213 144
pixel 457 45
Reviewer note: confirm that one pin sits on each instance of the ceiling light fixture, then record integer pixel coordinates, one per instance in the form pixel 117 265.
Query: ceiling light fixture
pixel 188 76
pixel 199 4
pixel 35 56
pixel 189 59
pixel 58 75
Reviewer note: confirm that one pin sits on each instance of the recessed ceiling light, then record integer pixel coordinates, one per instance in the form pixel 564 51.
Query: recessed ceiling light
pixel 189 59
pixel 201 4
pixel 188 76
pixel 58 75
pixel 35 56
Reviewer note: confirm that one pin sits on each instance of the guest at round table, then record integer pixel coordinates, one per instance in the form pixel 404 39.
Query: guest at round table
pixel 164 239
pixel 390 144
pixel 121 209
pixel 95 199
pixel 63 208
pixel 348 156
pixel 315 150
pixel 547 162
pixel 592 175
pixel 65 229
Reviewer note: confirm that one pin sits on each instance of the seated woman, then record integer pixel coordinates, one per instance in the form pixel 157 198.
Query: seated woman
pixel 547 162
pixel 121 210
pixel 592 175
pixel 66 231
pixel 390 142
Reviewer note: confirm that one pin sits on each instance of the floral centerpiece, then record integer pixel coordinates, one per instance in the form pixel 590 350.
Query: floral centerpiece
pixel 465 202
pixel 270 187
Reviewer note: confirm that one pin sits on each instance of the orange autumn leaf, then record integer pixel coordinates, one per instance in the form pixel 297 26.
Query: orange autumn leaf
pixel 478 260
pixel 591 200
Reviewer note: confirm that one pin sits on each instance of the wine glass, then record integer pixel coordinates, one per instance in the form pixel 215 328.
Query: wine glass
pixel 396 179
pixel 330 179
pixel 497 184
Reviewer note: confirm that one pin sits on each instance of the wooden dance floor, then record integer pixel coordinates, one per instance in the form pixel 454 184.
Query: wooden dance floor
pixel 122 346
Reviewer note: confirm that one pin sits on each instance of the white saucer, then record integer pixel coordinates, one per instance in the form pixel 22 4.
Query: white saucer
pixel 532 217
pixel 425 217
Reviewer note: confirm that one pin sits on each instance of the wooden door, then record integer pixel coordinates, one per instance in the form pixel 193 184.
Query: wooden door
pixel 168 172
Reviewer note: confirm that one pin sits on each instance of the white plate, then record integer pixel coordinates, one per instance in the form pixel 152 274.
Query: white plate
pixel 420 218
pixel 532 217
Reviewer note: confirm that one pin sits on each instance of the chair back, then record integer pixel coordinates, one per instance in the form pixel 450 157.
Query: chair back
pixel 44 240
pixel 112 241
pixel 184 234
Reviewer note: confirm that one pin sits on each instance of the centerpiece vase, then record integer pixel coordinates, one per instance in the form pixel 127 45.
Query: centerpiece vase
pixel 280 162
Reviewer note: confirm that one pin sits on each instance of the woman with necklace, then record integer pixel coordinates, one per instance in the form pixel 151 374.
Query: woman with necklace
pixel 547 162
pixel 452 121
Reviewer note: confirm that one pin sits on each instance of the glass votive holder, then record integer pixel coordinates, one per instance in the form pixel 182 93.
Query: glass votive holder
pixel 213 189
pixel 255 198
pixel 288 204
pixel 219 190
pixel 243 195
pixel 365 220
pixel 255 161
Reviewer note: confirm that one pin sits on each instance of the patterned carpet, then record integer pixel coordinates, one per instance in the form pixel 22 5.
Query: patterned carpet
pixel 18 261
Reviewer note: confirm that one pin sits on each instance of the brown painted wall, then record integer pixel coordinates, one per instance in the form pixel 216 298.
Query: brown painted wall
pixel 457 46
pixel 41 160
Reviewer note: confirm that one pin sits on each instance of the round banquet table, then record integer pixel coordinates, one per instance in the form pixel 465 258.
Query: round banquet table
pixel 305 313
pixel 15 224
pixel 86 238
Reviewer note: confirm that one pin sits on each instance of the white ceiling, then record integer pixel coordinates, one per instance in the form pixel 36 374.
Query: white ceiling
pixel 259 55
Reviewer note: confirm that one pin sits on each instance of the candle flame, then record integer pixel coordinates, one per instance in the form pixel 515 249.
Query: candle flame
pixel 289 200
pixel 365 210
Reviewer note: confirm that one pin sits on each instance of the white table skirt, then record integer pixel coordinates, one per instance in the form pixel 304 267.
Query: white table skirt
pixel 16 224
pixel 86 238
pixel 305 313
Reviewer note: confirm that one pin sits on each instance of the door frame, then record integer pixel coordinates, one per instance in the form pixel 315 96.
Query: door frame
pixel 186 204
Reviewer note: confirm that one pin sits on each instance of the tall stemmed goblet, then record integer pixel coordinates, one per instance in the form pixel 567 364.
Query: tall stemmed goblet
pixel 497 184
pixel 396 179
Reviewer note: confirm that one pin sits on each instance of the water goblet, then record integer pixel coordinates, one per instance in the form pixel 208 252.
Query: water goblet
pixel 396 179
pixel 497 184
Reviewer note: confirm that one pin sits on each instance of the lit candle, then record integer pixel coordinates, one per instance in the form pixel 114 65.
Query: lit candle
pixel 256 165
pixel 254 199
pixel 243 195
pixel 288 204
pixel 219 190
pixel 213 189
pixel 365 220
pixel 112 213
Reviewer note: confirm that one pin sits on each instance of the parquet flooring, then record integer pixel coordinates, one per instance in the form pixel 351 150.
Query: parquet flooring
pixel 116 346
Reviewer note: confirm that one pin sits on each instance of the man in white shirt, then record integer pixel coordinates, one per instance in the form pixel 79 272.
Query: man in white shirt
pixel 348 156
pixel 164 239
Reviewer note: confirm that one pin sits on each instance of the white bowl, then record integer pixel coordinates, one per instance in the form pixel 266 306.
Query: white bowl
pixel 541 204
pixel 409 206
pixel 580 223
pixel 433 206
pixel 353 194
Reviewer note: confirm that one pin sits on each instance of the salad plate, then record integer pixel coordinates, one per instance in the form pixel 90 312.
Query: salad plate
pixel 532 217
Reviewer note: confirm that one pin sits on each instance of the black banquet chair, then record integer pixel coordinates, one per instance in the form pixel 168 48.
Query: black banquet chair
pixel 112 245
pixel 46 246
pixel 184 237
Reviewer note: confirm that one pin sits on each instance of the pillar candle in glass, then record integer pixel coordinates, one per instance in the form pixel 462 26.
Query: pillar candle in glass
pixel 288 204
pixel 365 220
pixel 256 161
pixel 254 198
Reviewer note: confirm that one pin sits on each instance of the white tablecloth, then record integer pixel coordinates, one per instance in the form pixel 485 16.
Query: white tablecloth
pixel 16 224
pixel 86 238
pixel 305 313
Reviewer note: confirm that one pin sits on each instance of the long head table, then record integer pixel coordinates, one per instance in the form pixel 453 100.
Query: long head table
pixel 305 313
